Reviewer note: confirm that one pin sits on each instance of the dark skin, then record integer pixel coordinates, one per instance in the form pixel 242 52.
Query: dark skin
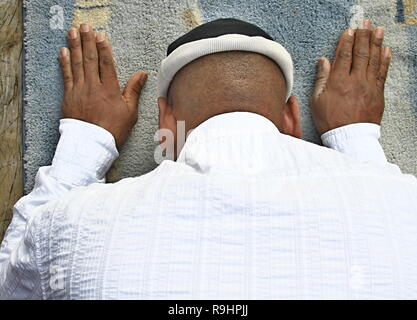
pixel 350 90
pixel 91 89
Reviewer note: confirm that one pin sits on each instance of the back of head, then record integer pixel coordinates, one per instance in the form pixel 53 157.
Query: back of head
pixel 227 82
pixel 223 66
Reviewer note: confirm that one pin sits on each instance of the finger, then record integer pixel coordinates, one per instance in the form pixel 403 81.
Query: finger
pixel 375 53
pixel 323 73
pixel 343 61
pixel 385 62
pixel 108 74
pixel 90 55
pixel 133 89
pixel 76 55
pixel 66 69
pixel 361 49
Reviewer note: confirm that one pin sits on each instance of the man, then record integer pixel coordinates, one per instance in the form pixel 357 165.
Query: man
pixel 248 210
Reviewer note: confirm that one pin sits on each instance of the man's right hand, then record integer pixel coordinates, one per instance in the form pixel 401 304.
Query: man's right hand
pixel 91 89
pixel 351 90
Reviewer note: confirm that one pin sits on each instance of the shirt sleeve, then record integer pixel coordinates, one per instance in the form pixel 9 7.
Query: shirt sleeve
pixel 84 154
pixel 359 141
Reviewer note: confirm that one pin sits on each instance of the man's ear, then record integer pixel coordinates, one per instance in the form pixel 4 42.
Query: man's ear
pixel 291 118
pixel 167 127
pixel 167 118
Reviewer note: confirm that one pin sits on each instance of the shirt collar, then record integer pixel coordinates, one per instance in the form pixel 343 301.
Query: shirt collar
pixel 236 140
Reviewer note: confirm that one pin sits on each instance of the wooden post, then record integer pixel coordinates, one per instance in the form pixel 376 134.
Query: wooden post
pixel 11 171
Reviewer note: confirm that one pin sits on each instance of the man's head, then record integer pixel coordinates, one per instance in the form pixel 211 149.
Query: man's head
pixel 225 66
pixel 228 82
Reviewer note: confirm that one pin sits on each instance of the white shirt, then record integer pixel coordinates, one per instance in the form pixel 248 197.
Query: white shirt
pixel 245 213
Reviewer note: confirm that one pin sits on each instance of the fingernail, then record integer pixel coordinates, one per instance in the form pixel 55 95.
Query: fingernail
pixel 85 27
pixel 143 78
pixel 350 32
pixel 320 62
pixel 73 33
pixel 100 37
pixel 64 52
pixel 387 52
pixel 366 24
pixel 379 33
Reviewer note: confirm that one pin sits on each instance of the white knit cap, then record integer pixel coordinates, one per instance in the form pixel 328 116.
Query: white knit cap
pixel 192 50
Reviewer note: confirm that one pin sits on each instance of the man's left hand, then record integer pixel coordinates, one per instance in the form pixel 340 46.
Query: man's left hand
pixel 351 90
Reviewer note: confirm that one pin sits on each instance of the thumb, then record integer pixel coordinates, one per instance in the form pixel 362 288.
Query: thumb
pixel 133 89
pixel 323 72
